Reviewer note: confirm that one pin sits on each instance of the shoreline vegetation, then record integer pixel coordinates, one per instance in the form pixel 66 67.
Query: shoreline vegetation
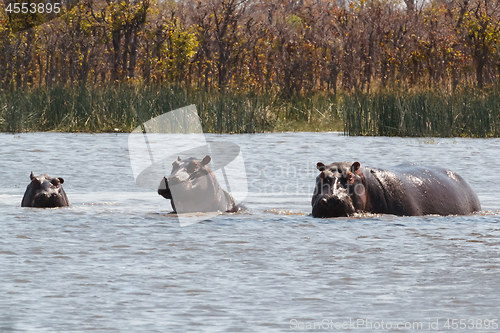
pixel 377 67
pixel 121 108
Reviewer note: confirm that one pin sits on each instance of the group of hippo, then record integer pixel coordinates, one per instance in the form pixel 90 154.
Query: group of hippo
pixel 342 189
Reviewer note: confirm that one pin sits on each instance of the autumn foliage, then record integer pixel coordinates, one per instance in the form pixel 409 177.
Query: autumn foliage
pixel 380 67
pixel 293 47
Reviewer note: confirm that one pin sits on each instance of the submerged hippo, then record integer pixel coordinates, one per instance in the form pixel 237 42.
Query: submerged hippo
pixel 45 191
pixel 193 187
pixel 345 188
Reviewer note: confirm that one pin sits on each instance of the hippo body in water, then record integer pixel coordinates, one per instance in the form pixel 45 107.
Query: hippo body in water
pixel 345 188
pixel 193 187
pixel 45 191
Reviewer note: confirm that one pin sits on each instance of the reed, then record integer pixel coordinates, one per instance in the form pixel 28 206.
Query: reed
pixel 468 112
pixel 124 107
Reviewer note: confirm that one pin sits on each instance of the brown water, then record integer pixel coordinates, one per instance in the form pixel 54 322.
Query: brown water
pixel 115 261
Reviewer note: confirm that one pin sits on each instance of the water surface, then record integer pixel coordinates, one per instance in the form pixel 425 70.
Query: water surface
pixel 116 261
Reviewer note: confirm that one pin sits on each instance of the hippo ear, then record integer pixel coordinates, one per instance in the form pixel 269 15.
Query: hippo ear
pixel 355 166
pixel 206 160
pixel 320 166
pixel 35 180
pixel 61 180
pixel 179 158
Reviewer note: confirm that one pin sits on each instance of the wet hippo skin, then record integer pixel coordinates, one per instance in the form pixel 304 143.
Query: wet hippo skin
pixel 345 188
pixel 45 191
pixel 193 187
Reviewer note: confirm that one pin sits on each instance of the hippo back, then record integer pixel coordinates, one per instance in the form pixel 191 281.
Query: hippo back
pixel 435 190
pixel 413 190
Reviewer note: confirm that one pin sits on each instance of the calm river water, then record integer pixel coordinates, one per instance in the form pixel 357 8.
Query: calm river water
pixel 115 261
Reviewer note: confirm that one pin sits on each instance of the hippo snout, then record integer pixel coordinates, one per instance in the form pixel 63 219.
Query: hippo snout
pixel 333 205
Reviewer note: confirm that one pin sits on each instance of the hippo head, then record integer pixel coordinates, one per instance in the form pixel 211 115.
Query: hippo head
pixel 193 186
pixel 340 190
pixel 45 191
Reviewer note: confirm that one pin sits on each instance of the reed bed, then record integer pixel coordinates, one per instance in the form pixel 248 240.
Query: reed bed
pixel 468 112
pixel 124 107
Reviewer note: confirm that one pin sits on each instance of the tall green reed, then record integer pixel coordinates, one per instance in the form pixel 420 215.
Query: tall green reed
pixel 124 107
pixel 468 112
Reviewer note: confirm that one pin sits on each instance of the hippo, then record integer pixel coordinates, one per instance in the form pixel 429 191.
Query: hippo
pixel 193 187
pixel 45 191
pixel 345 188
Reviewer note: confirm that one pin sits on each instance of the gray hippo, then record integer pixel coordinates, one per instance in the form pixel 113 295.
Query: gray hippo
pixel 345 188
pixel 193 187
pixel 45 191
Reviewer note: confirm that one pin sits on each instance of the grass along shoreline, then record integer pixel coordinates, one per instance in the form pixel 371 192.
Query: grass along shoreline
pixel 467 112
